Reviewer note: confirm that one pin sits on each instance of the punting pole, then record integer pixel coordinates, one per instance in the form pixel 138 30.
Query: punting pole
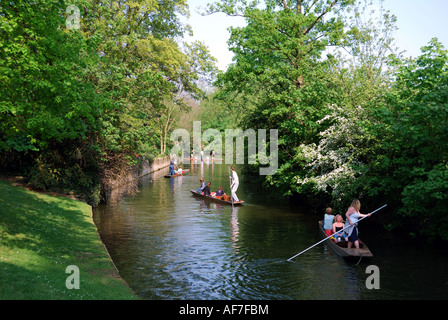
pixel 332 235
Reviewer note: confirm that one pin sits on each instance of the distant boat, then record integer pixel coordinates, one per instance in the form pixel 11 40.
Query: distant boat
pixel 197 194
pixel 340 248
pixel 184 172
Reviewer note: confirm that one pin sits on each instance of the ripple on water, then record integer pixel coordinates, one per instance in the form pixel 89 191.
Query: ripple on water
pixel 168 244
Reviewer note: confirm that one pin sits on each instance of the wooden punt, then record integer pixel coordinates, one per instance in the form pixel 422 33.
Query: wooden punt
pixel 184 172
pixel 236 203
pixel 340 248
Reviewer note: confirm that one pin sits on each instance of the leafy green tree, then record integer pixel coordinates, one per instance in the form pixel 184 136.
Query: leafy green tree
pixel 391 150
pixel 75 102
pixel 278 64
pixel 360 65
pixel 361 68
pixel 142 66
pixel 413 159
pixel 43 97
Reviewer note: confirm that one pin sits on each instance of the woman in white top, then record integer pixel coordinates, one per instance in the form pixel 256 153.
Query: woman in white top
pixel 353 216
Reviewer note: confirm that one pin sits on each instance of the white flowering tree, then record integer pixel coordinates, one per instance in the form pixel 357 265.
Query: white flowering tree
pixel 337 160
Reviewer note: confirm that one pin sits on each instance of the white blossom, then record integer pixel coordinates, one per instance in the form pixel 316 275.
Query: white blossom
pixel 332 162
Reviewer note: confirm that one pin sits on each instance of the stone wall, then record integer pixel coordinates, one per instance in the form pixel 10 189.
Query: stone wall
pixel 127 182
pixel 158 164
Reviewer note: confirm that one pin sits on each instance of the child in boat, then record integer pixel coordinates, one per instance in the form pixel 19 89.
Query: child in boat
pixel 338 225
pixel 219 193
pixel 328 222
pixel 179 170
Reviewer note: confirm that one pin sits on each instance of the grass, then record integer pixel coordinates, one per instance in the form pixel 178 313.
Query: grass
pixel 40 236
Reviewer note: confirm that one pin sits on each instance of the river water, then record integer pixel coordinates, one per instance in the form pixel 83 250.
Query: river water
pixel 168 244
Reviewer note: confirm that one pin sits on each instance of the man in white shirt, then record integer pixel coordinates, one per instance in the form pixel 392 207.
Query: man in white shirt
pixel 234 185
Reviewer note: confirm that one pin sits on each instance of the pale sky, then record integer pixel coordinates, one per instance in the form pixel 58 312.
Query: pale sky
pixel 417 21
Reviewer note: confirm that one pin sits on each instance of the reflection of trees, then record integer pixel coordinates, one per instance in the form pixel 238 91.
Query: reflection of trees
pixel 166 233
pixel 165 192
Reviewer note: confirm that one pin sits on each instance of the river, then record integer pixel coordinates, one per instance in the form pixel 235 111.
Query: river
pixel 168 244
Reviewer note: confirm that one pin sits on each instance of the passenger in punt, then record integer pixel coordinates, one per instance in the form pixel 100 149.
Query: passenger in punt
pixel 219 193
pixel 328 222
pixel 353 216
pixel 207 189
pixel 338 225
pixel 202 187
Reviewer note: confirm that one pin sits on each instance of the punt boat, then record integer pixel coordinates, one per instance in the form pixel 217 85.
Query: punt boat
pixel 210 198
pixel 340 248
pixel 184 172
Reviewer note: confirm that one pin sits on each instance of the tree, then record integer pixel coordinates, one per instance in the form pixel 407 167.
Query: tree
pixel 360 65
pixel 278 62
pixel 43 97
pixel 394 148
pixel 76 102
pixel 413 158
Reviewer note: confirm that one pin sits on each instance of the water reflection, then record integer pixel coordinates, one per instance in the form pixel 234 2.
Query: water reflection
pixel 169 244
pixel 234 229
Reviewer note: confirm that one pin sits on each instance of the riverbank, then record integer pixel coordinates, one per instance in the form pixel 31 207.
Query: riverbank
pixel 40 236
pixel 117 183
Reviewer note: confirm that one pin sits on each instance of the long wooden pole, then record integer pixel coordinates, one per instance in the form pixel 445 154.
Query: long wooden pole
pixel 332 235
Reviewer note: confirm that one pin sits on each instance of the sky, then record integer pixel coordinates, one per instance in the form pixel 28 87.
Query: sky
pixel 417 21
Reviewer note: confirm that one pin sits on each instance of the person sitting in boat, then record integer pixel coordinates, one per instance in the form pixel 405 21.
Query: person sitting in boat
pixel 328 222
pixel 179 170
pixel 202 187
pixel 338 225
pixel 219 193
pixel 207 189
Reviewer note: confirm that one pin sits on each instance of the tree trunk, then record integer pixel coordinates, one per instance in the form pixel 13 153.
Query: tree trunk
pixel 299 6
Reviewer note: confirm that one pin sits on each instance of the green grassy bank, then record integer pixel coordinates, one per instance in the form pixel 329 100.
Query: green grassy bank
pixel 40 236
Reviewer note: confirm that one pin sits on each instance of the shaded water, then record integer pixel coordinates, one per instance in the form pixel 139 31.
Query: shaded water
pixel 168 244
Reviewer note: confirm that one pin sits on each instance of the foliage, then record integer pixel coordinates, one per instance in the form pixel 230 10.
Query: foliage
pixel 360 65
pixel 278 65
pixel 71 98
pixel 394 150
pixel 43 97
pixel 355 118
pixel 335 163
pixel 414 151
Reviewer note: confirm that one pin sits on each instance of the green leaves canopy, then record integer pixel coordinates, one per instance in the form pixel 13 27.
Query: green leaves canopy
pixel 364 124
pixel 278 64
pixel 80 97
